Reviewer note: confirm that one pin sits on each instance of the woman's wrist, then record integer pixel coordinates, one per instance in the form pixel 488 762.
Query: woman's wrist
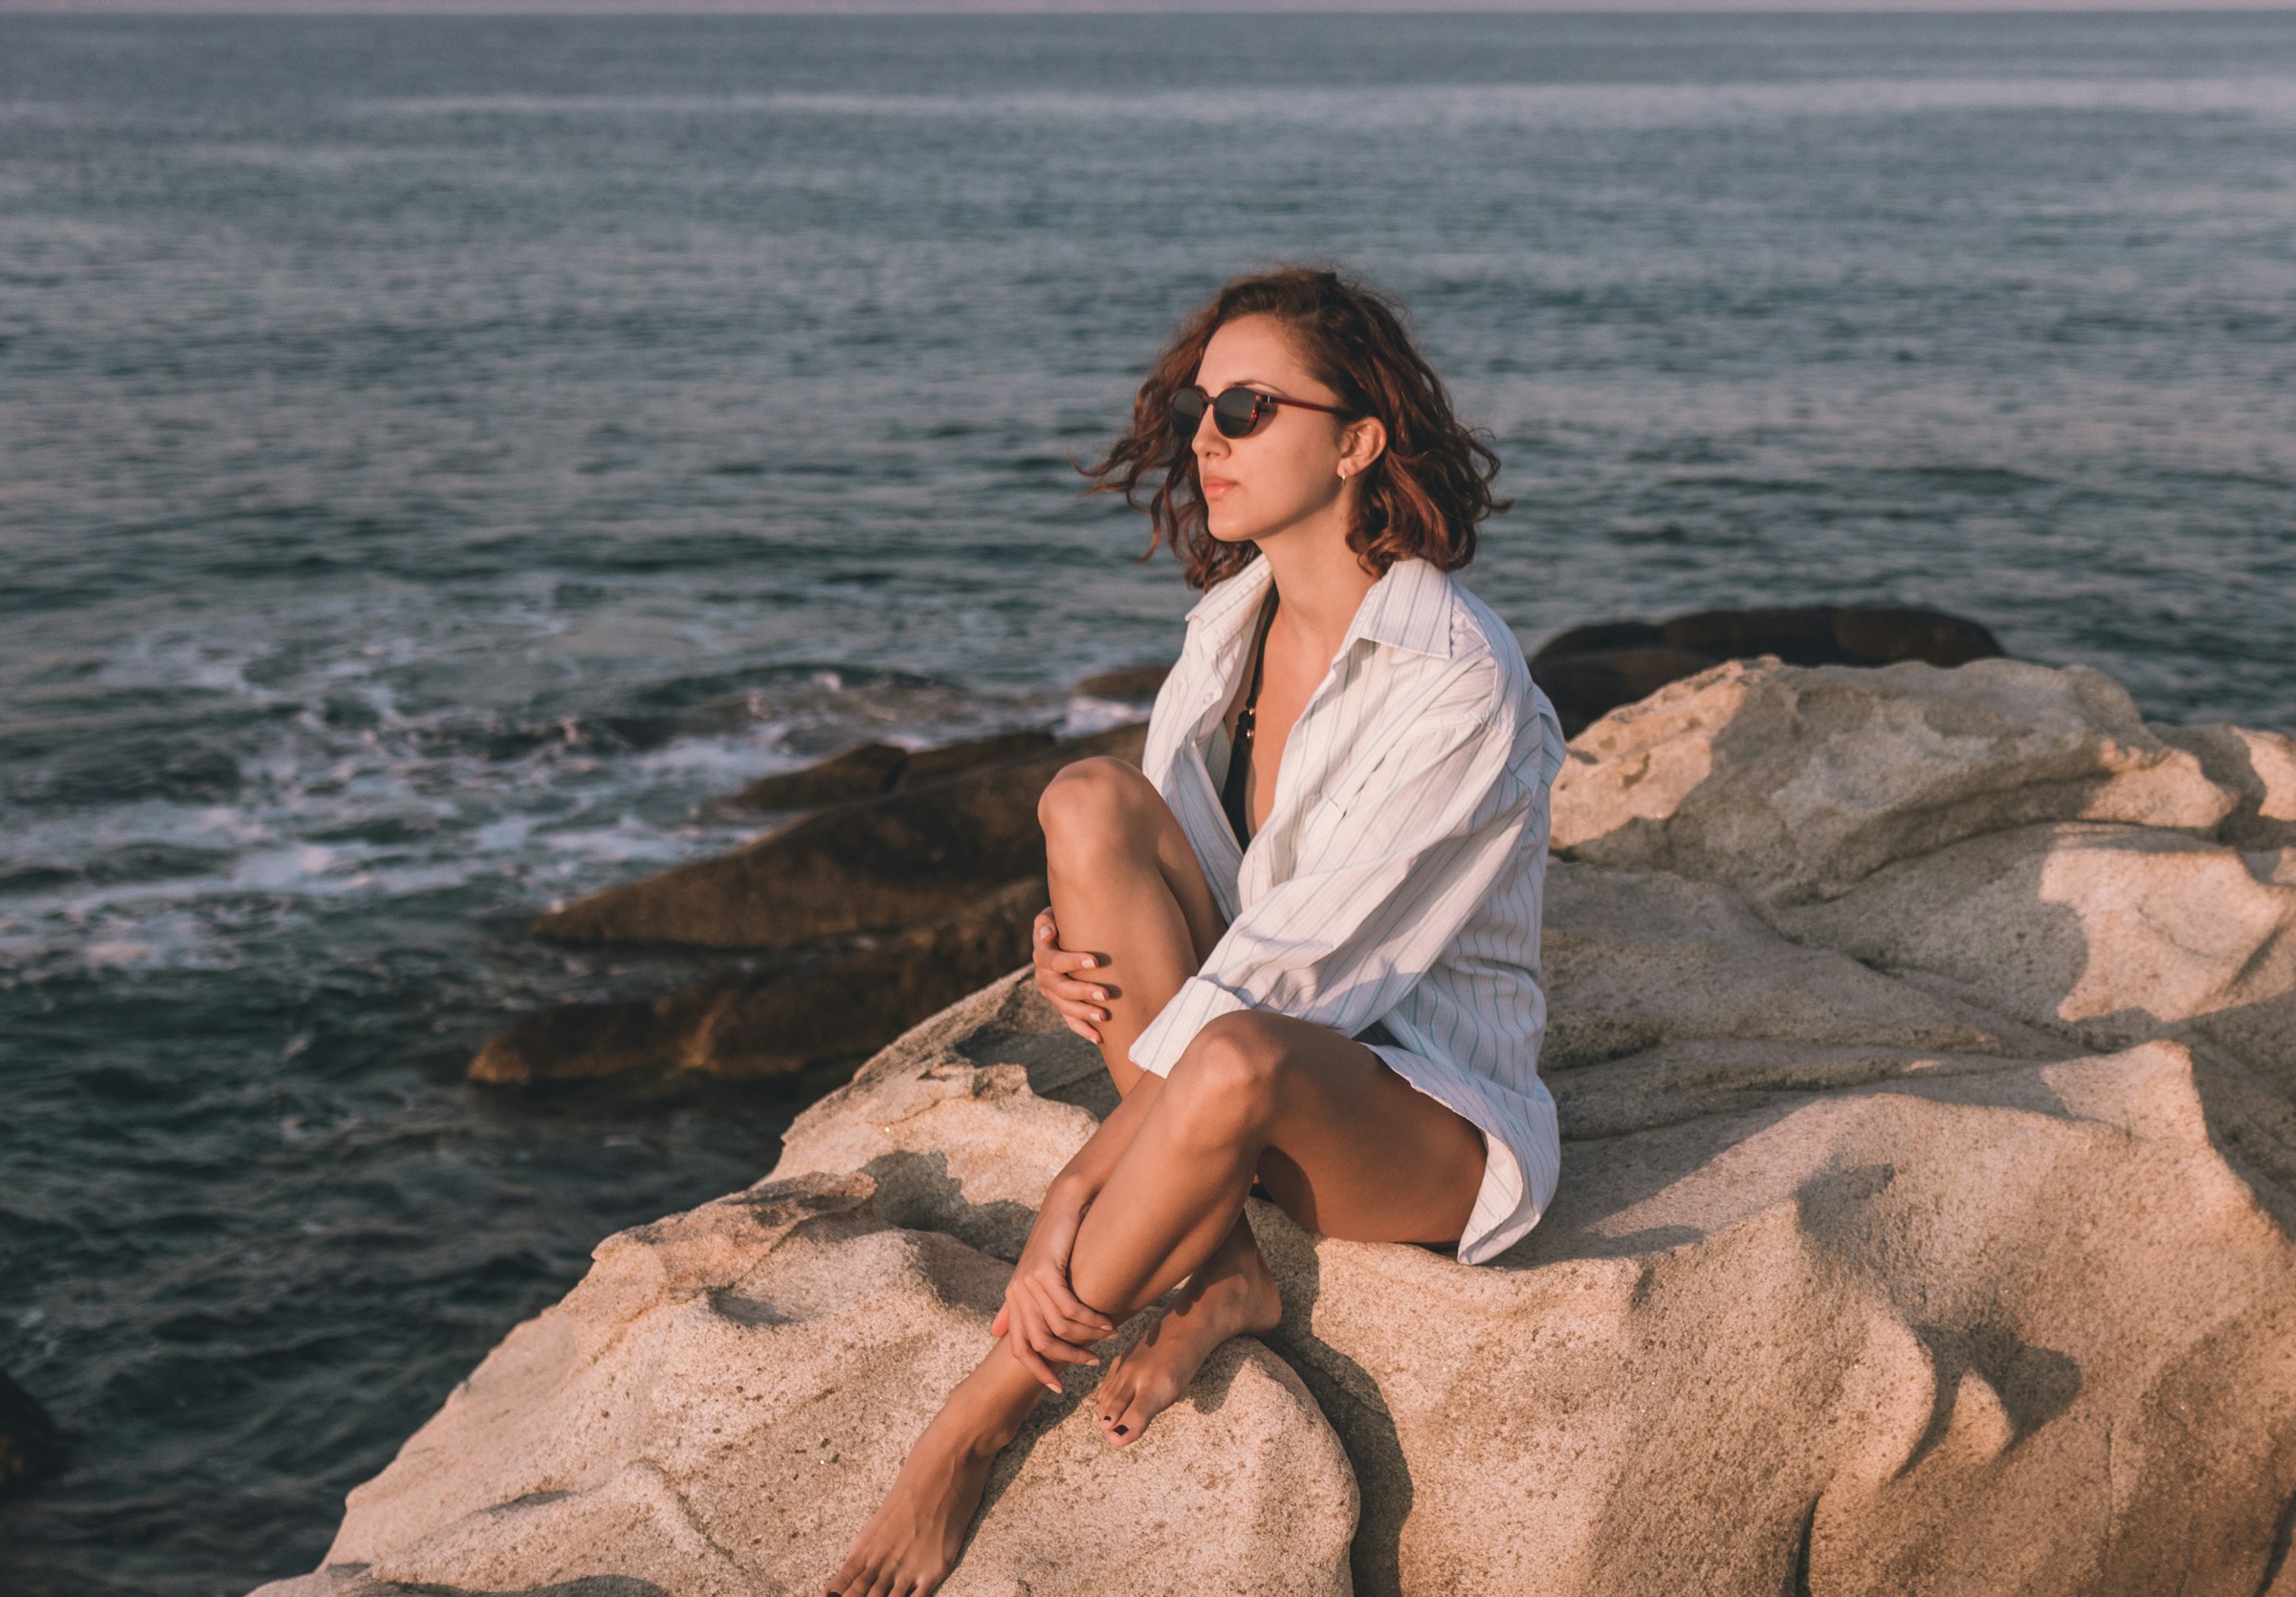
pixel 1069 1193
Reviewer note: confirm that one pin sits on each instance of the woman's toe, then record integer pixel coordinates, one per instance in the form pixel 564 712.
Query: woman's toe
pixel 1113 1399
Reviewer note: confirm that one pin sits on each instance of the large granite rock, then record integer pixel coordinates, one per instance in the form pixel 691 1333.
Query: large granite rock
pixel 1923 1051
pixel 729 1391
pixel 1794 783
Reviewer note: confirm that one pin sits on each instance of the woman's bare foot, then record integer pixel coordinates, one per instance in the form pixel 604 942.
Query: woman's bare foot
pixel 1232 1294
pixel 911 1541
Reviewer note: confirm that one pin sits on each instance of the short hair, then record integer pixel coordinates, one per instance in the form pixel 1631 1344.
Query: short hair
pixel 1426 492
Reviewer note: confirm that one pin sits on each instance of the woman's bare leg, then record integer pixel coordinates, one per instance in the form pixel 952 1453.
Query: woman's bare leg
pixel 1110 843
pixel 1344 1146
pixel 1125 886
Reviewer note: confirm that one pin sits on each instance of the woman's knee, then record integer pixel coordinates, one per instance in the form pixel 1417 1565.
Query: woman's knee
pixel 1231 1075
pixel 1094 803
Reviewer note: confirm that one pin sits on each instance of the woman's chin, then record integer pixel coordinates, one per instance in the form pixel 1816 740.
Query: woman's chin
pixel 1234 527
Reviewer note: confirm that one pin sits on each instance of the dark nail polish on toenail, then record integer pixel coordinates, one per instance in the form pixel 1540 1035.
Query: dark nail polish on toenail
pixel 1122 1428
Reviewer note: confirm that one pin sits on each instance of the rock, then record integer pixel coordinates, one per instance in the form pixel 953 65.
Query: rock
pixel 882 864
pixel 32 1447
pixel 2260 767
pixel 1584 688
pixel 775 1025
pixel 1803 634
pixel 679 1420
pixel 1796 784
pixel 2014 1330
pixel 1635 961
pixel 1830 634
pixel 1590 670
pixel 963 1121
pixel 873 768
pixel 1921 1046
pixel 1135 683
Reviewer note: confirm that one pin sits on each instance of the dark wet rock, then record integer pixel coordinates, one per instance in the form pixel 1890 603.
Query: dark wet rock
pixel 1585 687
pixel 777 1025
pixel 1827 634
pixel 905 858
pixel 32 1447
pixel 1131 681
pixel 871 769
pixel 1590 670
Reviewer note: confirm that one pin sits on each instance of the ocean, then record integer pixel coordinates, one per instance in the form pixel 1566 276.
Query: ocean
pixel 437 454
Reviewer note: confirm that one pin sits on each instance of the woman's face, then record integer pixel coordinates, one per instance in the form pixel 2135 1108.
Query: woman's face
pixel 1295 467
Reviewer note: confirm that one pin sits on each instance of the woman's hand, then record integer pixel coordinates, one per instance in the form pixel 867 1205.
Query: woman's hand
pixel 1077 1001
pixel 1042 1319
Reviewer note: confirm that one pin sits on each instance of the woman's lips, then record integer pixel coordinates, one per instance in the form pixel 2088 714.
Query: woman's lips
pixel 1215 486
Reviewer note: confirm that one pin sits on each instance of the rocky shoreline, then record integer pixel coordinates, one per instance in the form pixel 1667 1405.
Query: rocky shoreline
pixel 1925 1044
pixel 913 874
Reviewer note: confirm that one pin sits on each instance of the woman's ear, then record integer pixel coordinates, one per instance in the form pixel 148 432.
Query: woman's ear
pixel 1360 442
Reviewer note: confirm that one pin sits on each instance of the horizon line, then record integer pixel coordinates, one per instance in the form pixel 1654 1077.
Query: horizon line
pixel 1132 8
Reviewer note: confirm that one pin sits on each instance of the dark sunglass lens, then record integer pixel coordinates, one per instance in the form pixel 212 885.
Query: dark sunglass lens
pixel 1187 411
pixel 1236 412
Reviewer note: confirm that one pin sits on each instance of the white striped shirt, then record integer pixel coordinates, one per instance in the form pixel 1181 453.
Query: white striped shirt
pixel 1399 875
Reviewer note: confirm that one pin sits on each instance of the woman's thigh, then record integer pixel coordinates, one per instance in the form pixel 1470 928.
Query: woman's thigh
pixel 1355 1150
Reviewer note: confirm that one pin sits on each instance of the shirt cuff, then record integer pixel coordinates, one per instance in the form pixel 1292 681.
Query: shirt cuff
pixel 1158 1047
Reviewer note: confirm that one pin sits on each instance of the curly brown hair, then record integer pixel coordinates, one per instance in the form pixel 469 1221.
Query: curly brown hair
pixel 1426 494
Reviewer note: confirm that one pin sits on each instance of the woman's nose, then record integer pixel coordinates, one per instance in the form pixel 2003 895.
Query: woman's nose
pixel 1207 431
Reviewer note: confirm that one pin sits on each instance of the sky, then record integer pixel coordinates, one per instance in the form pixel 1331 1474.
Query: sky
pixel 949 7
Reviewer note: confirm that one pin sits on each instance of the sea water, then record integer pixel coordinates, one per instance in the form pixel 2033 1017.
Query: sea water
pixel 437 454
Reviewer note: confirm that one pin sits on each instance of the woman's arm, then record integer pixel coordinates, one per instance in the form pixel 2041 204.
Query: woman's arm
pixel 1391 881
pixel 1046 1320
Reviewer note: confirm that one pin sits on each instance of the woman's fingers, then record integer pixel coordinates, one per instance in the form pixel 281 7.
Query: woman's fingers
pixel 1071 1323
pixel 1030 1362
pixel 1043 1333
pixel 1074 1011
pixel 1063 987
pixel 1065 1309
pixel 1038 1349
pixel 1084 999
pixel 996 1327
pixel 1062 1351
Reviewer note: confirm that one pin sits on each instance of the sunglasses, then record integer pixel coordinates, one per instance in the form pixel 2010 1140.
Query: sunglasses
pixel 1237 412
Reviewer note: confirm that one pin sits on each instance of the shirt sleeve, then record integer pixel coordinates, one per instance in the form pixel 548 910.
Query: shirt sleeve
pixel 1344 939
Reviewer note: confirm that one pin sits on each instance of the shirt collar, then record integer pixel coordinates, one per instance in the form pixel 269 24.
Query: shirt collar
pixel 1409 607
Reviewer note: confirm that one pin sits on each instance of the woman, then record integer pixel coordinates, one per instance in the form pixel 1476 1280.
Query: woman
pixel 1305 933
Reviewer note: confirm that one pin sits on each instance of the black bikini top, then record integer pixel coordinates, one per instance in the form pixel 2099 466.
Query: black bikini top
pixel 1239 749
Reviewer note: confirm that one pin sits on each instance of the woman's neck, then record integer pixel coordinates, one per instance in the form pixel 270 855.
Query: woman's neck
pixel 1319 587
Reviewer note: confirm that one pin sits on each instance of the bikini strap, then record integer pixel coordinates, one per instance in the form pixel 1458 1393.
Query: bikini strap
pixel 1239 751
